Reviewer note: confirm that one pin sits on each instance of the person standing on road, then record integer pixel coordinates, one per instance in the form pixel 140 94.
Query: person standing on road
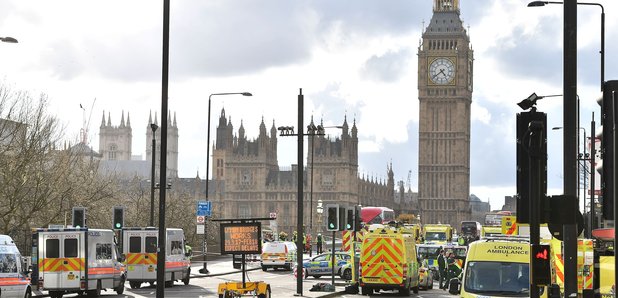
pixel 319 243
pixel 443 269
pixel 453 269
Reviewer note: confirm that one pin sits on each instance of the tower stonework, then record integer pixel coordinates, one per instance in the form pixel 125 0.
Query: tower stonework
pixel 172 145
pixel 115 141
pixel 445 64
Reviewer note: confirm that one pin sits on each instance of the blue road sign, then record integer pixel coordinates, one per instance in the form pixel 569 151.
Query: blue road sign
pixel 204 208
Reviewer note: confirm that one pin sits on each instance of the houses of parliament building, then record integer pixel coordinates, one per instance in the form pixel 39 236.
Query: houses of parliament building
pixel 247 180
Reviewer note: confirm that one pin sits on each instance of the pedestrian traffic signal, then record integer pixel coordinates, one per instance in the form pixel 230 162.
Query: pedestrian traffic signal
pixel 332 217
pixel 349 219
pixel 541 274
pixel 79 217
pixel 118 221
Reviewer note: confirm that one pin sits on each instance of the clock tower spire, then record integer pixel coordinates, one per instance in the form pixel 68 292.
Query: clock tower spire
pixel 445 60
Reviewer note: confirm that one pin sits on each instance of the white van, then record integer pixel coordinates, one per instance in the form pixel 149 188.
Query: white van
pixel 13 274
pixel 278 254
pixel 140 249
pixel 76 260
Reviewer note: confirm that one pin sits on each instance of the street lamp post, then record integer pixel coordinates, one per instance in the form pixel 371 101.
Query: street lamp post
pixel 152 173
pixel 204 270
pixel 602 51
pixel 319 210
pixel 580 157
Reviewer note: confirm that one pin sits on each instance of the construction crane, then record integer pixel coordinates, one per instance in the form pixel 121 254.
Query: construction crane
pixel 85 125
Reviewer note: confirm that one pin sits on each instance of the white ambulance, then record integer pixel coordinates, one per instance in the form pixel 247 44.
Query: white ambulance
pixel 13 274
pixel 140 249
pixel 76 260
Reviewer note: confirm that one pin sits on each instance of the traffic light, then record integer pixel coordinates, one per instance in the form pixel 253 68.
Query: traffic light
pixel 540 273
pixel 342 220
pixel 357 218
pixel 332 217
pixel 79 217
pixel 349 219
pixel 524 175
pixel 118 213
pixel 608 108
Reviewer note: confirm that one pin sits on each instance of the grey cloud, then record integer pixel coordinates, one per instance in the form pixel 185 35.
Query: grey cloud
pixel 388 67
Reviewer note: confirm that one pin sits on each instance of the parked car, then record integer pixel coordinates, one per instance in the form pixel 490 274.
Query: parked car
pixel 321 264
pixel 346 270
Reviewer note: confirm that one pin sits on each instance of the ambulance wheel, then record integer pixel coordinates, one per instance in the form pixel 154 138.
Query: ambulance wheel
pixel 135 284
pixel 94 293
pixel 405 291
pixel 414 289
pixel 120 289
pixel 265 295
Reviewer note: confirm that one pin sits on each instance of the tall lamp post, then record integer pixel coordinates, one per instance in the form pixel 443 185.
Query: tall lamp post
pixel 204 270
pixel 152 173
pixel 602 51
pixel 8 39
pixel 580 157
pixel 319 210
pixel 313 131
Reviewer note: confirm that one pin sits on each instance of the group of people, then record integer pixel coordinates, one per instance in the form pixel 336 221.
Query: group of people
pixel 448 268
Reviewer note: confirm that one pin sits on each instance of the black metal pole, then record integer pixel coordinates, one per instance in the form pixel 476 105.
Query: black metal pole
pixel 205 241
pixel 593 152
pixel 299 224
pixel 163 153
pixel 570 141
pixel 332 261
pixel 152 174
pixel 312 134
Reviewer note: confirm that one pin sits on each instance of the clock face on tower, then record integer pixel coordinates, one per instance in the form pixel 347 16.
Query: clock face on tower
pixel 441 71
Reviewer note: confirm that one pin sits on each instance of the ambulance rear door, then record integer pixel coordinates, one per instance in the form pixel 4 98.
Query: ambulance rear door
pixel 62 259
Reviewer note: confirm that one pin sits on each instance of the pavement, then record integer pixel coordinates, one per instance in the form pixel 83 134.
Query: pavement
pixel 219 265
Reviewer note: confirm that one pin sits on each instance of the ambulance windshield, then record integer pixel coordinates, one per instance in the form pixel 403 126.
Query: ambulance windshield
pixel 435 236
pixel 497 278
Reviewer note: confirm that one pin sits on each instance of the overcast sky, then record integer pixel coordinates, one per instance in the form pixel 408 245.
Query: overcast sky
pixel 354 58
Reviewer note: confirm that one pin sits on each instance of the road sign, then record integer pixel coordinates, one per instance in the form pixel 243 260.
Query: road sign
pixel 204 208
pixel 200 219
pixel 200 230
pixel 273 215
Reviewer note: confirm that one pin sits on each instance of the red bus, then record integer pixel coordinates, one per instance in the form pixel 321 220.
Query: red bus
pixel 377 215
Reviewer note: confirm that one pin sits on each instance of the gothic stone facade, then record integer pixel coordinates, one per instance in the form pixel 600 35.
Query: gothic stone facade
pixel 250 183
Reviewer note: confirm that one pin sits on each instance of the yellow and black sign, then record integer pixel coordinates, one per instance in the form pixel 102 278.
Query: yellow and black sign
pixel 241 238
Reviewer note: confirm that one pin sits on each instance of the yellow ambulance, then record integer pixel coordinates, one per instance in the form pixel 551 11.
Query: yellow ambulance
pixel 388 260
pixel 496 267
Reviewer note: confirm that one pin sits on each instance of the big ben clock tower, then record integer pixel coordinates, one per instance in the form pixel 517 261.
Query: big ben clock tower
pixel 445 60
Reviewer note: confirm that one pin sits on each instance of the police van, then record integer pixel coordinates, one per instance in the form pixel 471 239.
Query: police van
pixel 140 249
pixel 496 267
pixel 76 260
pixel 13 272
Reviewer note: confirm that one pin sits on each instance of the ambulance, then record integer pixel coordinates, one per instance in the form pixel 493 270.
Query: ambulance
pixel 388 261
pixel 13 272
pixel 76 260
pixel 438 233
pixel 140 248
pixel 496 267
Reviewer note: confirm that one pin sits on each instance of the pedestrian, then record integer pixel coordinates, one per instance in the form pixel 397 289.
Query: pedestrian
pixel 453 269
pixel 442 268
pixel 319 243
